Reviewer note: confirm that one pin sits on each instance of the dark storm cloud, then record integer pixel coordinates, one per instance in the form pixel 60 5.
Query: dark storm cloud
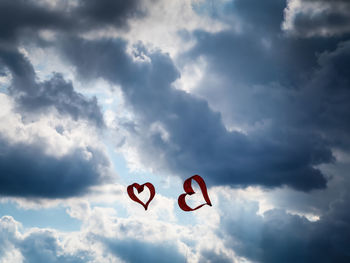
pixel 301 86
pixel 60 94
pixel 256 58
pixel 296 89
pixel 36 97
pixel 17 16
pixel 198 141
pixel 27 171
pixel 107 12
pixel 281 237
pixel 259 53
pixel 251 15
pixel 320 17
pixel 324 99
pixel 21 19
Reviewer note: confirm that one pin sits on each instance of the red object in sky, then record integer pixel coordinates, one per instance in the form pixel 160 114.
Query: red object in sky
pixel 189 191
pixel 139 189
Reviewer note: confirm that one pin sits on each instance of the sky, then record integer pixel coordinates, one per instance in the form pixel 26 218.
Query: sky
pixel 253 96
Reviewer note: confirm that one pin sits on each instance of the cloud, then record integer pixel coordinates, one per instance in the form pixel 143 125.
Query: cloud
pixel 268 84
pixel 296 92
pixel 240 235
pixel 125 249
pixel 108 241
pixel 277 235
pixel 24 22
pixel 43 246
pixel 27 171
pixel 268 108
pixel 19 16
pixel 167 117
pixel 211 256
pixel 186 133
pixel 25 18
pixel 36 246
pixel 107 12
pixel 106 236
pixel 49 157
pixel 37 97
pixel 312 18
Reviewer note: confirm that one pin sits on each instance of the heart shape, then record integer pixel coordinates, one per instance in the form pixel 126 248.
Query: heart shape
pixel 139 189
pixel 189 191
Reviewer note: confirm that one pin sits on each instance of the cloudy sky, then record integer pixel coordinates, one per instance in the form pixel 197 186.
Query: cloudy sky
pixel 98 94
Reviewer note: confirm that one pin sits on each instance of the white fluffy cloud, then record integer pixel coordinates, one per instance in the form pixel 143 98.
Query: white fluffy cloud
pixel 106 236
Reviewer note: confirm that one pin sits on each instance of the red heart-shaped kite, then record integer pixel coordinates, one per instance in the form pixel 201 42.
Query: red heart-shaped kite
pixel 139 189
pixel 189 191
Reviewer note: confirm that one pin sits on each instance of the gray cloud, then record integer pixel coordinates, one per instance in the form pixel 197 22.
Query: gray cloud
pixel 274 85
pixel 198 141
pixel 43 246
pixel 290 93
pixel 37 247
pixel 133 250
pixel 20 22
pixel 318 18
pixel 279 236
pixel 35 97
pixel 20 18
pixel 27 171
pixel 49 246
pixel 289 83
pixel 58 93
pixel 93 13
